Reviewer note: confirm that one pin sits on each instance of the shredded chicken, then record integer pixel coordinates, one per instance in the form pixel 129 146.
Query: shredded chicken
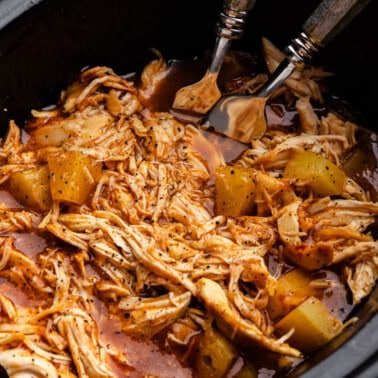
pixel 147 243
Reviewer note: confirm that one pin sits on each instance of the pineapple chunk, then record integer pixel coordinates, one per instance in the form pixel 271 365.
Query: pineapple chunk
pixel 215 355
pixel 292 289
pixel 313 324
pixel 310 257
pixel 32 188
pixel 324 177
pixel 235 191
pixel 72 176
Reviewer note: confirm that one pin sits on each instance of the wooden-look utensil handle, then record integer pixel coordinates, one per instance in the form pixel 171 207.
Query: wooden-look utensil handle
pixel 330 18
pixel 239 5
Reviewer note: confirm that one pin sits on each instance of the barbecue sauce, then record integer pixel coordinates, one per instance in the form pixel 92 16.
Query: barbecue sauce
pixel 150 357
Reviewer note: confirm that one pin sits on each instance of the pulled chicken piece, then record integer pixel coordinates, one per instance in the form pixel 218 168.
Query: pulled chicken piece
pixel 146 253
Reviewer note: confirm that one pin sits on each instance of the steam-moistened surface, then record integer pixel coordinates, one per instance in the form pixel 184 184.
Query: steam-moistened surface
pixel 133 244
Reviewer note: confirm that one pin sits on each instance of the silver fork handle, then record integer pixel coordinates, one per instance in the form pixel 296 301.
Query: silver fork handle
pixel 233 17
pixel 222 46
pixel 325 23
pixel 229 27
pixel 328 20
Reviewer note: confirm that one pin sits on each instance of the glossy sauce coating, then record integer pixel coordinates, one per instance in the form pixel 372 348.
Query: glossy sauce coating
pixel 147 357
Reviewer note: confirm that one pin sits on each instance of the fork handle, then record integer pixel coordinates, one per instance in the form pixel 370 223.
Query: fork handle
pixel 325 23
pixel 229 27
pixel 330 18
pixel 233 17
